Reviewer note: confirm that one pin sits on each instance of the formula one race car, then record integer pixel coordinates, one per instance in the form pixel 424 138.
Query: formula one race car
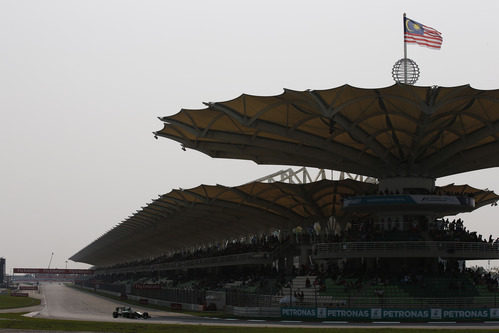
pixel 127 312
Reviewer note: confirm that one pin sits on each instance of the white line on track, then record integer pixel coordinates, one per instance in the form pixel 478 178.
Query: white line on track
pixel 291 321
pixel 231 319
pixel 386 322
pixel 257 320
pixel 441 322
pixel 335 322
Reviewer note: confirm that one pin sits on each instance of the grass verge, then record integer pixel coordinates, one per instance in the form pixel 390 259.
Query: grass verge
pixel 11 302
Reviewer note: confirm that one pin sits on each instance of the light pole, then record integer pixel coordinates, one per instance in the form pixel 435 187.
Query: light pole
pixel 51 256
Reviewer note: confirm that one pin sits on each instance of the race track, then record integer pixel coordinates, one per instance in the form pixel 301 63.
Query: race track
pixel 62 302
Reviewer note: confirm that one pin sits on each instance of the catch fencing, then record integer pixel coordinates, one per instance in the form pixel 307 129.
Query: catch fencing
pixel 243 299
pixel 174 295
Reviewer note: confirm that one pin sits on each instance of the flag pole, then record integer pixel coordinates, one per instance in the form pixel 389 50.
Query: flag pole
pixel 405 55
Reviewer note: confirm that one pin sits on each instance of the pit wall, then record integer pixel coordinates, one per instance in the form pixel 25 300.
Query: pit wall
pixel 112 293
pixel 254 312
pixel 146 300
pixel 394 314
pixel 172 305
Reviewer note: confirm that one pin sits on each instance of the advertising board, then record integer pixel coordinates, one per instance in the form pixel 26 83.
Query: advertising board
pixel 28 287
pixel 52 271
pixel 18 294
pixel 390 314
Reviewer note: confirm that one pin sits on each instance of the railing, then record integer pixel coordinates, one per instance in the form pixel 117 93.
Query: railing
pixel 233 259
pixel 444 249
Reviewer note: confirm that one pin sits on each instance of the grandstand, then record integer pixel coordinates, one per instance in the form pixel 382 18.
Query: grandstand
pixel 388 240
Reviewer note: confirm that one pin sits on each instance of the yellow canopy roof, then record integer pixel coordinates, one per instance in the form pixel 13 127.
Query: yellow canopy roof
pixel 213 213
pixel 401 130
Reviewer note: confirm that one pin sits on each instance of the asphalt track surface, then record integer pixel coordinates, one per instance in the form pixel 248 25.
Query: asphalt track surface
pixel 62 302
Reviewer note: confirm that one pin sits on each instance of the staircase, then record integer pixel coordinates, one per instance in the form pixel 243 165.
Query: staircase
pixel 300 283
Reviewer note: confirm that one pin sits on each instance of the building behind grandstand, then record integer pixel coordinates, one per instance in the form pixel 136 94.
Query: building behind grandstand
pixel 2 271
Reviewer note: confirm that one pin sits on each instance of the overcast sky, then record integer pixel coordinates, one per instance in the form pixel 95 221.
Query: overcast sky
pixel 83 82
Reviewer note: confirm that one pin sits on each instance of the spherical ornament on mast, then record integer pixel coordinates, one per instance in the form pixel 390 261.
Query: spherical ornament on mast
pixel 405 71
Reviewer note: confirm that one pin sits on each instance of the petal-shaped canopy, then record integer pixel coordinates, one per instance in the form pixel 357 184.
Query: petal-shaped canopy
pixel 211 214
pixel 401 130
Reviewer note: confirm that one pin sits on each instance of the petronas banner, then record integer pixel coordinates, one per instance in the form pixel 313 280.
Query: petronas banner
pixel 389 314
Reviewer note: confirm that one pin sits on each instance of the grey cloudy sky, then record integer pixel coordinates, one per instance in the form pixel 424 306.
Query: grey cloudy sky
pixel 83 82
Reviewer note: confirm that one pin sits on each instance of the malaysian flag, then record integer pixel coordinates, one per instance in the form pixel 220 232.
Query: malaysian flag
pixel 420 34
